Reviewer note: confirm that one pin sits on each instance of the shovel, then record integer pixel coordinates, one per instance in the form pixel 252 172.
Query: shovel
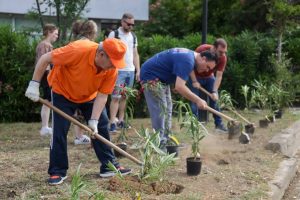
pixel 249 127
pixel 96 135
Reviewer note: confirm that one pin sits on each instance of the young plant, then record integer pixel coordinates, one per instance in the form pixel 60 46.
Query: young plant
pixel 196 130
pixel 245 91
pixel 78 186
pixel 225 101
pixel 130 95
pixel 155 161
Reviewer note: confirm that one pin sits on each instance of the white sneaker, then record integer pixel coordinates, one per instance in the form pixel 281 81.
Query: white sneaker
pixel 82 140
pixel 45 131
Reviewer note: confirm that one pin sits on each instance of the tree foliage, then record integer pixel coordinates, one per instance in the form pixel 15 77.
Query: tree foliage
pixel 65 11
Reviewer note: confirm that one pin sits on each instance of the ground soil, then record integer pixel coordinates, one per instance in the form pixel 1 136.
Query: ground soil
pixel 230 170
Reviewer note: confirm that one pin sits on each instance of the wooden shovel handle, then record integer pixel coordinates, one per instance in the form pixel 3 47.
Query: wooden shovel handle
pixel 219 113
pixel 205 91
pixel 213 110
pixel 240 116
pixel 96 135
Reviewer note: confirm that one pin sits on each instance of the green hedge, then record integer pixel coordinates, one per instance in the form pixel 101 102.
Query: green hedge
pixel 249 57
pixel 16 66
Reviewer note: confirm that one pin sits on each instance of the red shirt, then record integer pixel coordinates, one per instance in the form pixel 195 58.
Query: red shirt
pixel 219 67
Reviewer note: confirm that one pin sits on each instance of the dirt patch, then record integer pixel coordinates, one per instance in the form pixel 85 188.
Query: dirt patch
pixel 230 170
pixel 133 184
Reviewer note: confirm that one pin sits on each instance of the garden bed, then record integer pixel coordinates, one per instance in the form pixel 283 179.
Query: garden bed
pixel 230 170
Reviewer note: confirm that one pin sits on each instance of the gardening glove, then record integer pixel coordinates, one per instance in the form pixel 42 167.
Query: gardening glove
pixel 32 91
pixel 93 124
pixel 215 96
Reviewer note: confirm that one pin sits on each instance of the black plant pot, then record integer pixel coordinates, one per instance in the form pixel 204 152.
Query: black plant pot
pixel 263 123
pixel 193 166
pixel 278 114
pixel 122 146
pixel 172 149
pixel 234 130
pixel 249 128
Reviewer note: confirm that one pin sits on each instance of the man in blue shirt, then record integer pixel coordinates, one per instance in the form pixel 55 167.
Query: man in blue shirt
pixel 168 67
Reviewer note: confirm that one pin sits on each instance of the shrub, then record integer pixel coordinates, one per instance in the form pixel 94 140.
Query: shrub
pixel 16 67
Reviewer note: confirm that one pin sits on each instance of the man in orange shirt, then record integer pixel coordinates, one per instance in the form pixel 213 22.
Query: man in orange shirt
pixel 83 75
pixel 209 81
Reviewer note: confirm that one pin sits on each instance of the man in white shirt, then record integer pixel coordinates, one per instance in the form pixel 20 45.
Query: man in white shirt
pixel 126 75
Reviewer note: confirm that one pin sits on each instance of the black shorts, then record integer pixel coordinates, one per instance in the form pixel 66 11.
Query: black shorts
pixel 45 86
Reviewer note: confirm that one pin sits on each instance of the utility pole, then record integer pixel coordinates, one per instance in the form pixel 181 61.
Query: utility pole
pixel 203 114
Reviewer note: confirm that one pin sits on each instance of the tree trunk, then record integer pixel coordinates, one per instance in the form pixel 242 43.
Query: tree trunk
pixel 279 47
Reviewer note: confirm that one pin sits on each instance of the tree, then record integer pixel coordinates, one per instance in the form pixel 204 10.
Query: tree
pixel 66 12
pixel 283 14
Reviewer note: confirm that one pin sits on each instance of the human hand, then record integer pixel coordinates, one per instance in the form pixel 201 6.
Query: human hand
pixel 201 104
pixel 196 84
pixel 93 124
pixel 215 96
pixel 32 91
pixel 137 76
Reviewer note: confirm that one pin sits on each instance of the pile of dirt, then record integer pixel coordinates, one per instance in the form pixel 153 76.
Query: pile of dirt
pixel 134 184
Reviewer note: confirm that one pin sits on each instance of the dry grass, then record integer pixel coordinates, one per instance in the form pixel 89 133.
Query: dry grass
pixel 24 163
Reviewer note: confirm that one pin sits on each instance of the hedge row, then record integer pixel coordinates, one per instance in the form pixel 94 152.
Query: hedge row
pixel 250 56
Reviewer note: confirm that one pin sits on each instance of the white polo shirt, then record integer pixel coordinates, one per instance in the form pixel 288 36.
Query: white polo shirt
pixel 127 38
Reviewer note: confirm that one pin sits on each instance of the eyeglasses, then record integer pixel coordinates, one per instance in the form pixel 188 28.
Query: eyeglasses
pixel 128 24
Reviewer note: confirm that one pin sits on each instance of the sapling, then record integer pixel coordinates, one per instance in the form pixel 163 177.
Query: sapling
pixel 130 95
pixel 155 161
pixel 245 91
pixel 193 127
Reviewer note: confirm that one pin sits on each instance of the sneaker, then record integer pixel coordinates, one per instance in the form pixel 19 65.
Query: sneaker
pixel 45 131
pixel 56 179
pixel 82 140
pixel 113 128
pixel 221 128
pixel 122 124
pixel 123 171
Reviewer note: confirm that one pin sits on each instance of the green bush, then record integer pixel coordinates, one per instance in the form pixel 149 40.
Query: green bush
pixel 16 66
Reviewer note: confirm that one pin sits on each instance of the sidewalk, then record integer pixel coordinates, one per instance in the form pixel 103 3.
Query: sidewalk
pixel 287 142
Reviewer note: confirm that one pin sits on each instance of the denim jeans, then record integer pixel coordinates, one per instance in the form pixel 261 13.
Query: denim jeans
pixel 58 146
pixel 125 78
pixel 159 103
pixel 208 84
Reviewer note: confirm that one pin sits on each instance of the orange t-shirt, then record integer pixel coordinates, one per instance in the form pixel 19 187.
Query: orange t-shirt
pixel 74 74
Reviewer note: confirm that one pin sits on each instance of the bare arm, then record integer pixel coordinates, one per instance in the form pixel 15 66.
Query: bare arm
pixel 182 89
pixel 98 106
pixel 136 62
pixel 219 75
pixel 41 66
pixel 195 82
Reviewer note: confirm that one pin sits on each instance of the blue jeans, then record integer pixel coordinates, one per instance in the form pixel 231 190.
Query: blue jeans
pixel 159 104
pixel 125 78
pixel 208 84
pixel 58 147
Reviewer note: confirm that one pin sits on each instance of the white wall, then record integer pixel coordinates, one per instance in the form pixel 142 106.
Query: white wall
pixel 99 9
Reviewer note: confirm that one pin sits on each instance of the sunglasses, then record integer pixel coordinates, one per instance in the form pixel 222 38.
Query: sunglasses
pixel 128 24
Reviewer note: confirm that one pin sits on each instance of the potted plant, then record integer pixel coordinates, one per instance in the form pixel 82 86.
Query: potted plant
pixel 198 132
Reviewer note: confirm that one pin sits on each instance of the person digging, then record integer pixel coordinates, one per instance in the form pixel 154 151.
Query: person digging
pixel 84 74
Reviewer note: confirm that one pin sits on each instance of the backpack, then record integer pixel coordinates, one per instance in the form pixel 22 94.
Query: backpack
pixel 132 33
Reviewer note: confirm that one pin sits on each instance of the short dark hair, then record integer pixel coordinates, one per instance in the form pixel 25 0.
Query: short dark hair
pixel 210 56
pixel 220 42
pixel 127 16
